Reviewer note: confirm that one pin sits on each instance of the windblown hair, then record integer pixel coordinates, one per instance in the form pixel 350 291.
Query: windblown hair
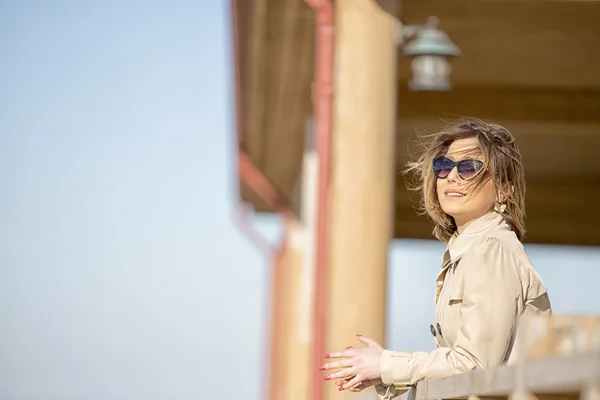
pixel 502 164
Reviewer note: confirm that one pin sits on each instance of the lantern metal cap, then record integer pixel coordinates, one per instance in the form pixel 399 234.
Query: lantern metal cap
pixel 429 40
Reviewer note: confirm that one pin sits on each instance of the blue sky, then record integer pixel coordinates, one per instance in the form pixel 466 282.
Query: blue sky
pixel 123 275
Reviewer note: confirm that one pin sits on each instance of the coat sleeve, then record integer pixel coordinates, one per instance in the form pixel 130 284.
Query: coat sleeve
pixel 491 305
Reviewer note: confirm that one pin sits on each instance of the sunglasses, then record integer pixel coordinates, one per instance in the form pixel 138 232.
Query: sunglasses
pixel 442 166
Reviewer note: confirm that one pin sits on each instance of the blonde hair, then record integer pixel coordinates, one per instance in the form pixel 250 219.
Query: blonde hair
pixel 502 163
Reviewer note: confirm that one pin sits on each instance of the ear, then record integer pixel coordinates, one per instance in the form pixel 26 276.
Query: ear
pixel 505 193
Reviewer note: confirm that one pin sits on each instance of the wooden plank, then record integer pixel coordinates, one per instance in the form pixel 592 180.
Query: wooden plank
pixel 506 103
pixel 558 211
pixel 517 43
pixel 549 375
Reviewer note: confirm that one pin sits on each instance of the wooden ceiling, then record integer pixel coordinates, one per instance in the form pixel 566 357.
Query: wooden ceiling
pixel 517 43
pixel 532 65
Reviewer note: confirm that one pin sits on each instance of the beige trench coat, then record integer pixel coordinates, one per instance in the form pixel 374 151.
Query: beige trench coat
pixel 485 284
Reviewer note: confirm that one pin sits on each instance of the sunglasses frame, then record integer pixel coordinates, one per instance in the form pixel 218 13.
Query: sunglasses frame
pixel 455 164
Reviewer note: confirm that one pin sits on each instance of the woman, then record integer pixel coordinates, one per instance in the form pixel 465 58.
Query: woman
pixel 472 183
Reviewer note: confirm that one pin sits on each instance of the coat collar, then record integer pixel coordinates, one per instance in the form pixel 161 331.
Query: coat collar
pixel 458 244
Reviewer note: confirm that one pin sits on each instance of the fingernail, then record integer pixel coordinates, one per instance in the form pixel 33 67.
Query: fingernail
pixel 327 355
pixel 349 347
pixel 341 388
pixel 322 368
pixel 327 377
pixel 358 334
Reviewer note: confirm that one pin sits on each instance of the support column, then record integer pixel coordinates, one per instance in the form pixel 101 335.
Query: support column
pixel 363 172
pixel 294 338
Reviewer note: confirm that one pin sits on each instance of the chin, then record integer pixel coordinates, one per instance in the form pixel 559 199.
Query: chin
pixel 453 209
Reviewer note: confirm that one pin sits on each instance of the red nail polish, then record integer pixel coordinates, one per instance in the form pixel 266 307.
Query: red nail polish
pixel 349 347
pixel 327 355
pixel 327 377
pixel 341 388
pixel 358 334
pixel 322 368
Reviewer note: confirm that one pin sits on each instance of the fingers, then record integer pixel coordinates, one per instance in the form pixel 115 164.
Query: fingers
pixel 366 340
pixel 346 374
pixel 345 363
pixel 356 388
pixel 341 354
pixel 353 383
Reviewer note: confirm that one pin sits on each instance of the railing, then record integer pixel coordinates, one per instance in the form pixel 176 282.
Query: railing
pixel 558 359
pixel 564 377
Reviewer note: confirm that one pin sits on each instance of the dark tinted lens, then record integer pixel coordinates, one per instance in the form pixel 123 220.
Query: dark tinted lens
pixel 442 167
pixel 467 168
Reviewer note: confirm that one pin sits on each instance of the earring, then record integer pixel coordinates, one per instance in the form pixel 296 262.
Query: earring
pixel 500 209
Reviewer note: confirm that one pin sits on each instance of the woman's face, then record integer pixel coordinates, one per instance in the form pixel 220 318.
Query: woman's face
pixel 456 199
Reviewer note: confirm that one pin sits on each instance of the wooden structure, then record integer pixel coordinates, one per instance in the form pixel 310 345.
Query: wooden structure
pixel 532 65
pixel 331 73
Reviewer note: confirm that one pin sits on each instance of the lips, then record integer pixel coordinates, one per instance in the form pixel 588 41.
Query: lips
pixel 454 193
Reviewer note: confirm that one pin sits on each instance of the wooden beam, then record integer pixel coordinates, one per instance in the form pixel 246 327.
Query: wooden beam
pixel 503 103
pixel 516 43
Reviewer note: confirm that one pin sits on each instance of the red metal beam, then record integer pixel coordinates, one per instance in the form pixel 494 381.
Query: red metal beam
pixel 322 105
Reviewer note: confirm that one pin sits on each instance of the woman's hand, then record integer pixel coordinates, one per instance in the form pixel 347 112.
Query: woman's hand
pixel 359 386
pixel 357 365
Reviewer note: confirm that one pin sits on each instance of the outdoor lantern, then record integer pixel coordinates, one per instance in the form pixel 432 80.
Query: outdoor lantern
pixel 430 50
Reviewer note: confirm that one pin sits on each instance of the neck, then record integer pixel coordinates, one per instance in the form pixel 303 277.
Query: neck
pixel 463 222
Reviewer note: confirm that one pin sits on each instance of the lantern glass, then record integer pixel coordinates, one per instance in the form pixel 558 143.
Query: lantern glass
pixel 430 73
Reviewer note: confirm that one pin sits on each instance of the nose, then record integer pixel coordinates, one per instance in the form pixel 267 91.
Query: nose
pixel 453 175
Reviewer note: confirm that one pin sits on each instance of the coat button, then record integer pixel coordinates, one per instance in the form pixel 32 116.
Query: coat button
pixel 439 329
pixel 432 330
